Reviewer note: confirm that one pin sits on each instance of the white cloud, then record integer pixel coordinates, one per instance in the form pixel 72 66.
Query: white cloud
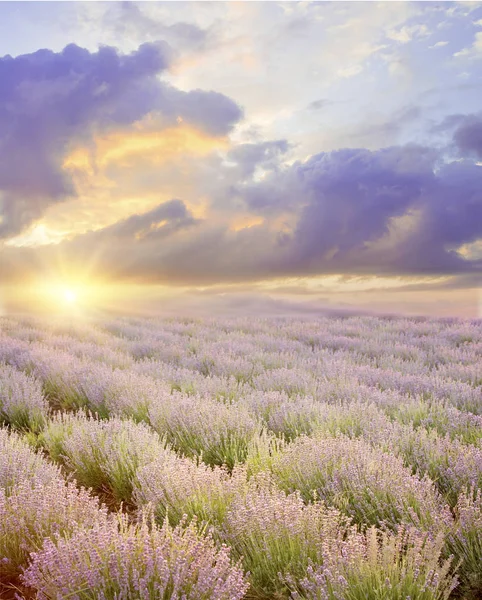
pixel 473 51
pixel 407 34
pixel 349 71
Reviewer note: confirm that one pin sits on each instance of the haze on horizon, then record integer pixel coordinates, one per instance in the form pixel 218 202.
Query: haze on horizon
pixel 241 157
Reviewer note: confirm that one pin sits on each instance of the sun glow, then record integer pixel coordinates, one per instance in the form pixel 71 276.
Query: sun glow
pixel 70 296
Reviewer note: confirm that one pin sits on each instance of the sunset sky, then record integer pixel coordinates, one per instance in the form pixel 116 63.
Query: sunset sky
pixel 241 157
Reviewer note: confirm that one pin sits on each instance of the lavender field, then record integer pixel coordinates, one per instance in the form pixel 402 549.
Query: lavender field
pixel 338 458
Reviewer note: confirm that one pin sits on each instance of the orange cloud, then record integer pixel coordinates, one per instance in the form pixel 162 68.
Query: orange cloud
pixel 245 221
pixel 156 146
pixel 101 199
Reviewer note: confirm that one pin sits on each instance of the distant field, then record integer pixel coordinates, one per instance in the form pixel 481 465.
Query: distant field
pixel 220 459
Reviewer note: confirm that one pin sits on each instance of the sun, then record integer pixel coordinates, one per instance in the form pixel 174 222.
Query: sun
pixel 70 296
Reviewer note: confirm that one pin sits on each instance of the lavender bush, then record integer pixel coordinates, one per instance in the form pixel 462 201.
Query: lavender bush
pixel 177 487
pixel 383 566
pixel 200 427
pixel 22 405
pixel 18 463
pixel 102 455
pixel 116 560
pixel 371 486
pixel 465 542
pixel 33 511
pixel 278 536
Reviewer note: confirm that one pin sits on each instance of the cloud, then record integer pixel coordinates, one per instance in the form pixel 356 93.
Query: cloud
pixel 358 202
pixel 395 211
pixel 131 20
pixel 466 281
pixel 468 135
pixel 51 102
pixel 164 220
pixel 248 157
pixel 382 130
pixel 408 33
pixel 353 194
pixel 474 51
pixel 318 104
pixel 212 112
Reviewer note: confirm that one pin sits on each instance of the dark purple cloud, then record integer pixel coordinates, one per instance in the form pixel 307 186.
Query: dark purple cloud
pixel 355 195
pixel 211 111
pixel 468 136
pixel 50 101
pixel 463 134
pixel 352 194
pixel 162 221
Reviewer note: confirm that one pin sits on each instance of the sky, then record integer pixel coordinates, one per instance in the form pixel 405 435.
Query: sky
pixel 241 157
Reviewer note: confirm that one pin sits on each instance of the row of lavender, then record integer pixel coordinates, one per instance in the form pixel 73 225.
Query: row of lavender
pixel 242 458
